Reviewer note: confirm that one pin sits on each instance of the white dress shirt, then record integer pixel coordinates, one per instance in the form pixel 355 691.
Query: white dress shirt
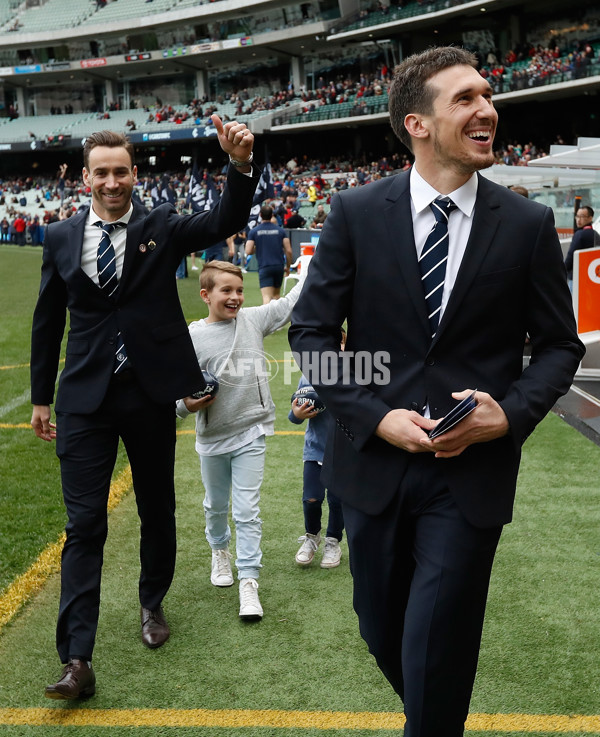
pixel 91 240
pixel 422 195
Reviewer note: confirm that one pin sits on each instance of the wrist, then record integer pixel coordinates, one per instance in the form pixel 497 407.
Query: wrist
pixel 240 164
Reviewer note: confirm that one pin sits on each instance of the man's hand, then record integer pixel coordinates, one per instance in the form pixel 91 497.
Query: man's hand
pixel 486 422
pixel 193 404
pixel 40 421
pixel 234 138
pixel 405 429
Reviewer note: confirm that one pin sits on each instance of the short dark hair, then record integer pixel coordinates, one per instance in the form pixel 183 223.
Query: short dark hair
pixel 409 91
pixel 590 211
pixel 111 139
pixel 266 212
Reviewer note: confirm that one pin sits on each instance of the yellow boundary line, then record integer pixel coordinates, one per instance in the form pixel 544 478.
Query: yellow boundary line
pixel 27 426
pixel 29 583
pixel 22 365
pixel 321 720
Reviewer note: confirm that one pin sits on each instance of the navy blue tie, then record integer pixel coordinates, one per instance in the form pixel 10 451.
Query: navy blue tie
pixel 107 261
pixel 432 261
pixel 107 279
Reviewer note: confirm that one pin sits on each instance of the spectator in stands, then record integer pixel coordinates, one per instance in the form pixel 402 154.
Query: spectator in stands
pixel 319 218
pixel 295 220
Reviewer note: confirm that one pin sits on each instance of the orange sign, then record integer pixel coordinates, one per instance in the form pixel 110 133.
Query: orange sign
pixel 586 289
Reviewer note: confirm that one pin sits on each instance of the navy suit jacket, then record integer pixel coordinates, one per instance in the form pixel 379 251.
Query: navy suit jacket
pixel 146 311
pixel 511 283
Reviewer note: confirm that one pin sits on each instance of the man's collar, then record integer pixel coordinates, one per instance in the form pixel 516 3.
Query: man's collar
pixel 93 217
pixel 422 193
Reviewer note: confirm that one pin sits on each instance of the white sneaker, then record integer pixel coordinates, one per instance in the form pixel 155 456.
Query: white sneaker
pixel 250 607
pixel 332 554
pixel 220 573
pixel 310 543
pixel 194 268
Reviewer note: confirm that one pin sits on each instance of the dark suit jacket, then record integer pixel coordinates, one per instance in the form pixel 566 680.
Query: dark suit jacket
pixel 147 309
pixel 584 238
pixel 511 282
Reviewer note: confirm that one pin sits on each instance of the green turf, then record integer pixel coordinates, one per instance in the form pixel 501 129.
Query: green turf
pixel 539 652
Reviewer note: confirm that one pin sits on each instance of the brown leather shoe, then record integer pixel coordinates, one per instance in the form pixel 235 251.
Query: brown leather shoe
pixel 155 630
pixel 78 679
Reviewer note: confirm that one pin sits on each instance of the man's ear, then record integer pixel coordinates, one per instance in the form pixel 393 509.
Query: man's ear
pixel 416 126
pixel 205 295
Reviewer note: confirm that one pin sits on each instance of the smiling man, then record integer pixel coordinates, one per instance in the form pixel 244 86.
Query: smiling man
pixel 128 358
pixel 446 273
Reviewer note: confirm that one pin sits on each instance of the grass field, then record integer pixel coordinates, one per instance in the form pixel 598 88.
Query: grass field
pixel 302 670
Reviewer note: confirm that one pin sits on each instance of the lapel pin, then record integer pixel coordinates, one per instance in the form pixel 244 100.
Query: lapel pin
pixel 151 245
pixel 142 248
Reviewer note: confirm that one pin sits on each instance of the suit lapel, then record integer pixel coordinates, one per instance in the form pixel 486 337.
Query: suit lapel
pixel 398 218
pixel 483 230
pixel 77 224
pixel 134 237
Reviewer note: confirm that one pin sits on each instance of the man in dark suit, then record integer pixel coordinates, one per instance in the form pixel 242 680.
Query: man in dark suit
pixel 128 358
pixel 424 516
pixel 584 237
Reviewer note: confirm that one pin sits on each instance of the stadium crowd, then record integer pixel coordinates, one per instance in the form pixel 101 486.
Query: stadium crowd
pixel 533 65
pixel 27 204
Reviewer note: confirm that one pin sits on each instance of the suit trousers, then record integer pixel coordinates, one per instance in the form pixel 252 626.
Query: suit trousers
pixel 87 449
pixel 421 575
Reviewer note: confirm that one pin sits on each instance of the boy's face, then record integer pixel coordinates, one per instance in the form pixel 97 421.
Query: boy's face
pixel 225 298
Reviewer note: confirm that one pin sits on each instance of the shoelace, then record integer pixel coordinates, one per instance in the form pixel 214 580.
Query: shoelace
pixel 222 562
pixel 248 593
pixel 309 542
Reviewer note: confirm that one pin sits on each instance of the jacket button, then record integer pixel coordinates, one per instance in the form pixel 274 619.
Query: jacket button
pixel 430 362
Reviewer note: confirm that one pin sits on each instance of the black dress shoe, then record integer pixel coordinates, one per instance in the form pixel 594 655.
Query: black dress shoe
pixel 78 679
pixel 155 630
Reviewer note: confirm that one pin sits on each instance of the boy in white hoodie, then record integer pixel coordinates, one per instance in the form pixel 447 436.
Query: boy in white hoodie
pixel 231 426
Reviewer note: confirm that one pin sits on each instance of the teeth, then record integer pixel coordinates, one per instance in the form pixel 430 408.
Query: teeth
pixel 479 134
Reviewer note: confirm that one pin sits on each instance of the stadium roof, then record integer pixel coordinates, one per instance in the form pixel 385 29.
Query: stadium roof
pixel 584 155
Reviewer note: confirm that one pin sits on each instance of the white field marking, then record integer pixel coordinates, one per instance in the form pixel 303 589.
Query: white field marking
pixel 14 403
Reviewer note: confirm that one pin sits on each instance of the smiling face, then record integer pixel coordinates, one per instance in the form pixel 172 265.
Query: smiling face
pixel 225 299
pixel 457 136
pixel 110 176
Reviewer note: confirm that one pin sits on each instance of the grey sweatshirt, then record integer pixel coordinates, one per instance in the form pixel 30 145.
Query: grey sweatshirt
pixel 233 351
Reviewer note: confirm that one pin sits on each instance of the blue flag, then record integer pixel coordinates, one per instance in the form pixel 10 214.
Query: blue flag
pixel 163 192
pixel 201 197
pixel 264 191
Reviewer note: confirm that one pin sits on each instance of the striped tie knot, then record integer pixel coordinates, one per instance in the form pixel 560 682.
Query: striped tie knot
pixel 433 258
pixel 441 208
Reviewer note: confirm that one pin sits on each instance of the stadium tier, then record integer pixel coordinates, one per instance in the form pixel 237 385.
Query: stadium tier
pixel 158 68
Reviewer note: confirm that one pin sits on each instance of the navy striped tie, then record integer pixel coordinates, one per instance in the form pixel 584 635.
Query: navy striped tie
pixel 107 261
pixel 107 279
pixel 432 261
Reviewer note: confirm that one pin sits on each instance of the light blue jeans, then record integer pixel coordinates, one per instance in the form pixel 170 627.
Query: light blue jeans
pixel 241 473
